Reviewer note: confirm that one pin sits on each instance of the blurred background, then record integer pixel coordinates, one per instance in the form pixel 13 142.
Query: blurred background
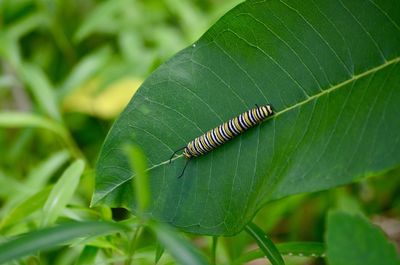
pixel 68 68
pixel 79 62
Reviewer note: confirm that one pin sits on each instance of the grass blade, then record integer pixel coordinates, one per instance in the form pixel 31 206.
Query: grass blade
pixel 23 119
pixel 40 175
pixel 49 238
pixel 265 244
pixel 62 192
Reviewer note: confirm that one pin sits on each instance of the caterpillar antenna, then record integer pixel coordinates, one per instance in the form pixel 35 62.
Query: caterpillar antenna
pixel 170 159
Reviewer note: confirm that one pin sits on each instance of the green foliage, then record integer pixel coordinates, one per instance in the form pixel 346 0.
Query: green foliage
pixel 51 237
pixel 301 249
pixel 265 243
pixel 180 249
pixel 67 68
pixel 139 164
pixel 336 115
pixel 62 192
pixel 353 240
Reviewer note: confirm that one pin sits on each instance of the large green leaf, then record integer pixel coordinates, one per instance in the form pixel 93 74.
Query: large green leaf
pixel 329 68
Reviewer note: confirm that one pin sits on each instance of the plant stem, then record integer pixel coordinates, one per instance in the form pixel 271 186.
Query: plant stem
pixel 133 244
pixel 214 250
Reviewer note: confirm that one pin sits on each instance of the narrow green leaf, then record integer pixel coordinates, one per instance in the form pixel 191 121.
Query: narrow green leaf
pixel 40 175
pixel 141 183
pixel 179 247
pixel 265 244
pixel 41 89
pixel 48 238
pixel 26 24
pixel 23 119
pixel 62 192
pixel 23 210
pixel 353 240
pixel 301 249
pixel 329 68
pixel 101 19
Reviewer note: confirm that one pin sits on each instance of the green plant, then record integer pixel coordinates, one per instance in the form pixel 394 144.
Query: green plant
pixel 329 68
pixel 297 56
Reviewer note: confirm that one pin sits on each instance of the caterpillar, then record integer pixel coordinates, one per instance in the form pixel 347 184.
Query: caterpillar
pixel 223 133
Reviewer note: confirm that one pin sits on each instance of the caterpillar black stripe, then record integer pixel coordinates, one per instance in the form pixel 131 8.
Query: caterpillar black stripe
pixel 224 132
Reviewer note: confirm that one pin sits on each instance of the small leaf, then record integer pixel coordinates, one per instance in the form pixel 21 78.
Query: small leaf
pixel 49 238
pixel 179 247
pixel 62 192
pixel 353 240
pixel 25 208
pixel 265 244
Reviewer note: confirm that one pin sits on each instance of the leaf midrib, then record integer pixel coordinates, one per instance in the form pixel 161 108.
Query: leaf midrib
pixel 322 93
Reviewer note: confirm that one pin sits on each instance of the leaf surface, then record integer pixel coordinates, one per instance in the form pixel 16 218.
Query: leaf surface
pixel 352 240
pixel 329 68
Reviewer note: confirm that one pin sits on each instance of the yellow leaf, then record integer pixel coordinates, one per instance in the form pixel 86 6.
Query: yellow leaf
pixel 105 104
